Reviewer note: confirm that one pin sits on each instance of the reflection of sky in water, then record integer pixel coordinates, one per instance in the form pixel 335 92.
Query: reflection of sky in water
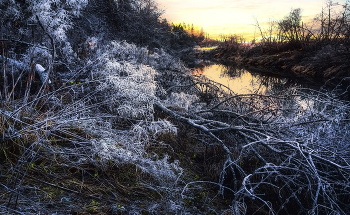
pixel 242 82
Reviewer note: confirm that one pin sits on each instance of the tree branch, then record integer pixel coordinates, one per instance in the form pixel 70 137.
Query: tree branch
pixel 42 72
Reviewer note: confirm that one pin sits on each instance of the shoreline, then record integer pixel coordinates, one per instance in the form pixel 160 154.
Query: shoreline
pixel 328 64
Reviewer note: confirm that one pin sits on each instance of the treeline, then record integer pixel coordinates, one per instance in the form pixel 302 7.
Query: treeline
pixel 140 22
pixel 331 26
pixel 189 31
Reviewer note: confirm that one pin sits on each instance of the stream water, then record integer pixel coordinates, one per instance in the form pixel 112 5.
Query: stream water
pixel 242 81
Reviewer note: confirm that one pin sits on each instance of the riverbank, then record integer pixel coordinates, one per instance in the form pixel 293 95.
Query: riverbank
pixel 322 63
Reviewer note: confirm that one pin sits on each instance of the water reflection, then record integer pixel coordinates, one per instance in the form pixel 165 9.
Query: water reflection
pixel 283 101
pixel 241 81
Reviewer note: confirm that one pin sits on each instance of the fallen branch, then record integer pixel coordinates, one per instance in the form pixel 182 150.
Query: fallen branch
pixel 42 72
pixel 193 124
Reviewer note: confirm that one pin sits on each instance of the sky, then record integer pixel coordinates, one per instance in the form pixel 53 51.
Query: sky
pixel 235 16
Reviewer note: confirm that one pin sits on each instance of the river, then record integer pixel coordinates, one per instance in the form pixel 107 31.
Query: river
pixel 299 96
pixel 243 81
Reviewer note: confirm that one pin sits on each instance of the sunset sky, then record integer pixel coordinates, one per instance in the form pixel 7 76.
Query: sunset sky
pixel 235 16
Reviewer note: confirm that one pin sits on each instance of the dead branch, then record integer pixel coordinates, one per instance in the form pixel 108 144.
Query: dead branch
pixel 40 70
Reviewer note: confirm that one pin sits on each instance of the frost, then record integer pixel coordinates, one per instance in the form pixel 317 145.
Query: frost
pixel 38 55
pixel 143 130
pixel 127 87
pixel 92 42
pixel 122 150
pixel 56 15
pixel 180 100
pixel 130 86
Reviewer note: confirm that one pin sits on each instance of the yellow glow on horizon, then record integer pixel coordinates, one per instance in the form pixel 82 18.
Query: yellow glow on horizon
pixel 188 28
pixel 235 16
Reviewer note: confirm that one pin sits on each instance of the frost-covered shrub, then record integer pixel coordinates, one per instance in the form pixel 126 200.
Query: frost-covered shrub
pixel 162 60
pixel 56 15
pixel 128 83
pixel 124 51
pixel 9 9
pixel 129 88
pixel 122 150
pixel 56 18
pixel 123 147
pixel 41 24
pixel 143 130
pixel 180 100
pixel 37 55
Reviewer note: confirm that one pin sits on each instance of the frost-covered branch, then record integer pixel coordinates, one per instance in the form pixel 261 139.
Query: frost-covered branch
pixel 287 145
pixel 194 123
pixel 40 70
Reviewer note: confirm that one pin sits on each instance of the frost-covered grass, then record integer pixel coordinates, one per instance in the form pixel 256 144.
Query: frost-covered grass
pixel 103 130
pixel 100 117
pixel 104 120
